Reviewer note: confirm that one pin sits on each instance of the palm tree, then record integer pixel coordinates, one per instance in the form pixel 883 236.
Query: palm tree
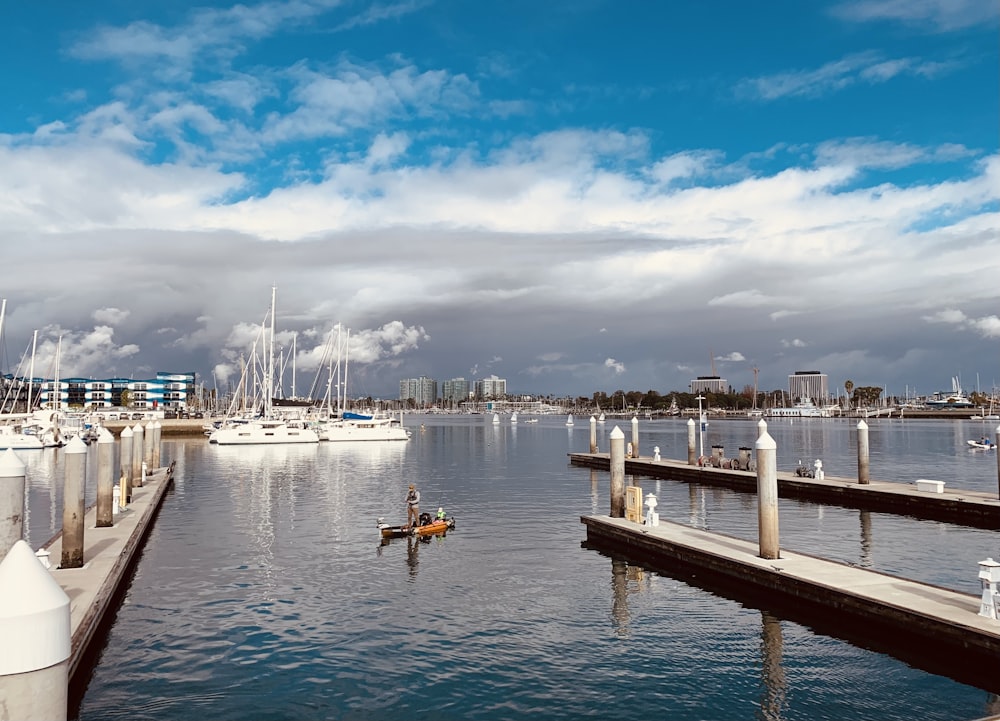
pixel 848 386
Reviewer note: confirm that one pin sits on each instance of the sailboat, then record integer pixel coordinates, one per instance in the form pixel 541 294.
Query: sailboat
pixel 267 429
pixel 496 419
pixel 513 418
pixel 569 419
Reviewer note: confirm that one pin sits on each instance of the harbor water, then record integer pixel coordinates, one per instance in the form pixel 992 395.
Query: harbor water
pixel 263 590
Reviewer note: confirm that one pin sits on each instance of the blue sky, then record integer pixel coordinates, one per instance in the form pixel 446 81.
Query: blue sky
pixel 575 196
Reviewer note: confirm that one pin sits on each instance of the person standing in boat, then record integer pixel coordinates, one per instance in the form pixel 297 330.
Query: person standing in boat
pixel 412 506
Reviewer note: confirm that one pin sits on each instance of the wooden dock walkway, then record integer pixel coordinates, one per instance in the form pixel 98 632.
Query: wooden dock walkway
pixel 934 627
pixel 962 507
pixel 109 556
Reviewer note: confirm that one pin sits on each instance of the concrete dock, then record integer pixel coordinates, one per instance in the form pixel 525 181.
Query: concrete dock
pixel 109 556
pixel 963 507
pixel 931 627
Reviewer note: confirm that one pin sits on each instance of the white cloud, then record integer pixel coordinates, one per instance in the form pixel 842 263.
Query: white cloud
pixel 794 343
pixel 110 316
pixel 943 15
pixel 734 357
pixel 614 365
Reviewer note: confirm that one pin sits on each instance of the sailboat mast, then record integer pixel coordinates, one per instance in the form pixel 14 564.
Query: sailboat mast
pixel 31 368
pixel 270 361
pixel 58 385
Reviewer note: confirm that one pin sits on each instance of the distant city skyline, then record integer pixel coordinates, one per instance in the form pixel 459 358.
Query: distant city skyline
pixel 571 196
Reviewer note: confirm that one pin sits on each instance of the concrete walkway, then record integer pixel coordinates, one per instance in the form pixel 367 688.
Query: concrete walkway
pixel 936 619
pixel 108 556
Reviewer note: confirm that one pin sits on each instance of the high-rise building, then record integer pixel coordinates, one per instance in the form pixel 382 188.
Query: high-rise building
pixel 709 384
pixel 422 391
pixel 808 384
pixel 491 388
pixel 455 390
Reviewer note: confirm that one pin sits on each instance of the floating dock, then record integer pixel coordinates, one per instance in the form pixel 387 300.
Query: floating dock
pixel 109 556
pixel 933 627
pixel 969 508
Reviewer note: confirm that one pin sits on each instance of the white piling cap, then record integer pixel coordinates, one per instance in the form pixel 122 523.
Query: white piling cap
pixel 75 446
pixel 765 442
pixel 617 433
pixel 34 614
pixel 690 421
pixel 126 432
pixel 862 425
pixel 137 428
pixel 10 465
pixel 105 436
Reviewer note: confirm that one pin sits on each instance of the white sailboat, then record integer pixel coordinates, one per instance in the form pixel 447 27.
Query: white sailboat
pixel 569 419
pixel 513 418
pixel 266 429
pixel 496 419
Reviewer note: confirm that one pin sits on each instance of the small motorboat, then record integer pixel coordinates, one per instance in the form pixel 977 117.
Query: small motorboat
pixel 427 526
pixel 983 445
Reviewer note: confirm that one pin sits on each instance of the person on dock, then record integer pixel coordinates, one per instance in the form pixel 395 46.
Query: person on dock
pixel 412 506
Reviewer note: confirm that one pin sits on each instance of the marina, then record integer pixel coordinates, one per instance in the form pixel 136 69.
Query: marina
pixel 264 565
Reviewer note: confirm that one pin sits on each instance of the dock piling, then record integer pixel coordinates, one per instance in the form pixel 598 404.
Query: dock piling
pixel 35 628
pixel 635 437
pixel 617 438
pixel 147 446
pixel 105 515
pixel 593 435
pixel 137 450
pixel 864 474
pixel 767 496
pixel 157 437
pixel 73 506
pixel 125 463
pixel 691 456
pixel 12 482
pixel 997 441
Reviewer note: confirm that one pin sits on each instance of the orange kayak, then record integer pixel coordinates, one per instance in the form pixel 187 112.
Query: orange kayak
pixel 427 529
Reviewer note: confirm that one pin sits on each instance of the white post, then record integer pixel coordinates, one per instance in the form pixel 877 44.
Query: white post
pixel 74 487
pixel 617 473
pixel 125 463
pixel 158 436
pixel 593 435
pixel 138 443
pixel 691 458
pixel 635 437
pixel 11 500
pixel 864 476
pixel 35 628
pixel 147 447
pixel 767 496
pixel 105 479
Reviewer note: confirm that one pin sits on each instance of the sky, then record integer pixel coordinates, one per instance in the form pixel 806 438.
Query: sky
pixel 573 195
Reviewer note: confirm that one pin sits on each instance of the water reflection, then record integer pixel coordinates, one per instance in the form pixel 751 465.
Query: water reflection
pixel 773 704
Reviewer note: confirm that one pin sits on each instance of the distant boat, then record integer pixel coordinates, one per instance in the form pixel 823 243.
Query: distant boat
pixel 263 431
pixel 569 419
pixel 955 399
pixel 532 420
pixel 496 419
pixel 513 418
pixel 362 427
pixel 600 418
pixel 986 445
pixel 805 408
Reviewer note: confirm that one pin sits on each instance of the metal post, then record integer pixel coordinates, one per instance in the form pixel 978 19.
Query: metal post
pixel 73 508
pixel 864 476
pixel 617 438
pixel 11 500
pixel 767 496
pixel 105 479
